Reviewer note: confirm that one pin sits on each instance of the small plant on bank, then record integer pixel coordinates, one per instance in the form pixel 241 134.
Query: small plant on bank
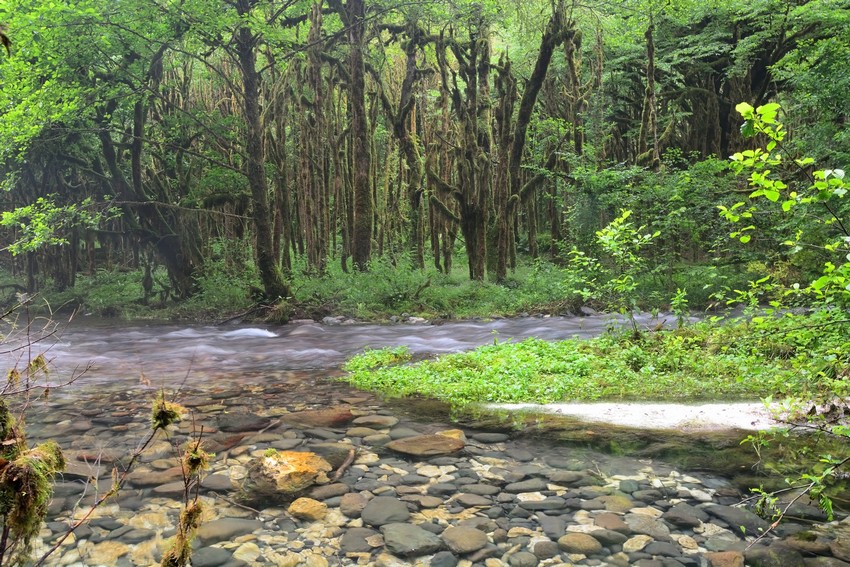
pixel 613 282
pixel 798 191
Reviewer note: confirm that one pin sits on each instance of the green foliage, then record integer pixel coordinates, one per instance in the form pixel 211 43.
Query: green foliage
pixel 700 362
pixel 820 198
pixel 43 223
pixel 614 283
pixel 26 487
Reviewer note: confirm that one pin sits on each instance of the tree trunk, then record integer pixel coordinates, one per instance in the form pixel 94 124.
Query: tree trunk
pixel 274 285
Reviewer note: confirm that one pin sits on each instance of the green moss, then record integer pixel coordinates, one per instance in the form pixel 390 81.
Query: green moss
pixel 26 487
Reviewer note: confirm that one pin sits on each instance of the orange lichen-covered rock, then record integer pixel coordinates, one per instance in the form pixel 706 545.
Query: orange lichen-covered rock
pixel 281 476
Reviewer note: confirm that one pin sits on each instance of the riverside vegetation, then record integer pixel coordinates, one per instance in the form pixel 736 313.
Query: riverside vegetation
pixel 354 141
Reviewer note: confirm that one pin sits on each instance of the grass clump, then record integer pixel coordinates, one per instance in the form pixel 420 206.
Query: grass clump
pixel 700 362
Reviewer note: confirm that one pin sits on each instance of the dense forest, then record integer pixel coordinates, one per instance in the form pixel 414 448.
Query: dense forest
pixel 280 139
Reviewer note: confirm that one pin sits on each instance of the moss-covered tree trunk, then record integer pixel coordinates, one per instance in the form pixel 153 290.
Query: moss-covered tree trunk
pixel 274 285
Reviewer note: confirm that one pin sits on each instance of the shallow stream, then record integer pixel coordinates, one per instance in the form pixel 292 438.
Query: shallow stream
pixel 270 372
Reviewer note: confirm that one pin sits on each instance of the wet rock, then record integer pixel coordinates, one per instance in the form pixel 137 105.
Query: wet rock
pixel 327 491
pixel 579 543
pixel 636 543
pixel 470 500
pixel 147 478
pixel 523 559
pixel 401 432
pixel 331 417
pixel 490 438
pixel 239 422
pixel 741 521
pixel 217 483
pixel 685 515
pixel 357 540
pixel 725 558
pixel 545 549
pixel 609 537
pixel 444 559
pixel 612 522
pixel 548 503
pixel 463 540
pixel 776 555
pixel 530 485
pixel 662 548
pixel 426 445
pixel 210 557
pixel 383 510
pixel 808 543
pixel 280 476
pixel 640 524
pixel 553 526
pixel 409 540
pixel 379 421
pixel 225 529
pixel 308 509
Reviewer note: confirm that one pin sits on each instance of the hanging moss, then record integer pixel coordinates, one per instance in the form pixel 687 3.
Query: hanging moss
pixel 26 487
pixel 181 548
pixel 11 436
pixel 165 413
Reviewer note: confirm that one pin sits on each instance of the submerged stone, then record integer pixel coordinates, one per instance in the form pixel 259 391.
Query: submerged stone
pixel 426 445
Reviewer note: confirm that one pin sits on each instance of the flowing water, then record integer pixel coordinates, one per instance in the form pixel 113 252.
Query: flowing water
pixel 269 371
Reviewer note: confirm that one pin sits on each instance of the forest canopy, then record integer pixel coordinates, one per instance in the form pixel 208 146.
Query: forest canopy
pixel 294 135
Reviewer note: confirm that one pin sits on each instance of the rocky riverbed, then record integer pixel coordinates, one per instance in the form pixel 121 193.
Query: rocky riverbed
pixel 481 498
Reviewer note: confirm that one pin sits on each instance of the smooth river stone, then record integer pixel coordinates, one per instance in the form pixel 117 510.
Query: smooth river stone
pixel 379 421
pixel 579 543
pixel 410 540
pixel 225 529
pixel 384 510
pixel 463 539
pixel 240 422
pixel 331 417
pixel 426 445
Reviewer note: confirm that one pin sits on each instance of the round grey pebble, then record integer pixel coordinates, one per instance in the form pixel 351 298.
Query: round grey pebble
pixel 523 559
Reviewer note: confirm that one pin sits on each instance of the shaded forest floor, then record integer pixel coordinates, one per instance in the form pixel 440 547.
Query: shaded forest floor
pixel 386 293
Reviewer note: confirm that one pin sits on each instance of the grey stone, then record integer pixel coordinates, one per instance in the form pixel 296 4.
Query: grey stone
pixel 354 540
pixel 585 544
pixel 550 503
pixel 470 500
pixel 523 559
pixel 546 549
pixel 225 529
pixel 609 537
pixel 464 539
pixel 685 515
pixel 662 548
pixel 645 525
pixel 210 557
pixel 553 526
pixel 530 485
pixel 444 559
pixel 217 483
pixel 741 521
pixel 409 540
pixel 490 437
pixel 383 510
pixel 238 422
pixel 777 555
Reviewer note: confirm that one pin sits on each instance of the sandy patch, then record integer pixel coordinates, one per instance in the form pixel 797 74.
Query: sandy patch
pixel 748 416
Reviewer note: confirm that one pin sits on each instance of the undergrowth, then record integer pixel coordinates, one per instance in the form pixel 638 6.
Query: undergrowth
pixel 737 360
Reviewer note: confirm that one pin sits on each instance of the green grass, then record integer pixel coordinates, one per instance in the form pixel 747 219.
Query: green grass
pixel 706 361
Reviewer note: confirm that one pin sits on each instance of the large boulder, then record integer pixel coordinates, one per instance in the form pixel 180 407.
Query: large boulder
pixel 281 476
